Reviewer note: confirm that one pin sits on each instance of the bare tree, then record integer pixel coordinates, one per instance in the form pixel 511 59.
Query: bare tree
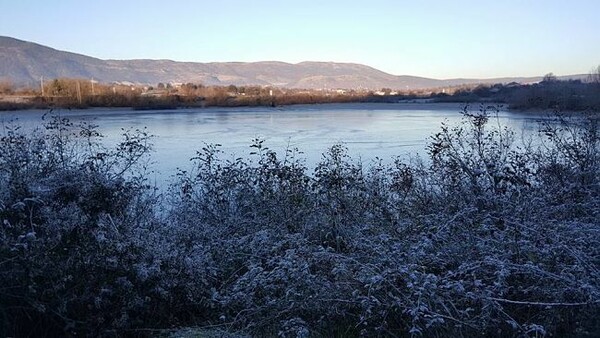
pixel 594 75
pixel 550 77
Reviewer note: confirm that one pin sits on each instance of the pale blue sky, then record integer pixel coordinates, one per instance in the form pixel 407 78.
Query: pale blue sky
pixel 440 39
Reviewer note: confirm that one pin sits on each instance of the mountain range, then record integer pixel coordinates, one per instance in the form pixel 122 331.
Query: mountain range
pixel 23 63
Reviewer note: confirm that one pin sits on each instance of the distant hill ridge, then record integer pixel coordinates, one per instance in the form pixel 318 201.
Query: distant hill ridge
pixel 25 62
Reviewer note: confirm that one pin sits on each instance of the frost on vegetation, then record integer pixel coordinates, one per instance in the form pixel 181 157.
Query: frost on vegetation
pixel 486 237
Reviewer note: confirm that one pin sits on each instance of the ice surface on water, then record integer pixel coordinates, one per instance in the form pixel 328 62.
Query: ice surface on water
pixel 368 130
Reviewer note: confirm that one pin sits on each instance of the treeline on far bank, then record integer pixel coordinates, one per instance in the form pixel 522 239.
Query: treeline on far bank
pixel 550 93
pixel 81 93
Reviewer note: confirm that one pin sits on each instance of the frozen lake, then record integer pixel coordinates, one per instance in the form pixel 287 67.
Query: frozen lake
pixel 368 130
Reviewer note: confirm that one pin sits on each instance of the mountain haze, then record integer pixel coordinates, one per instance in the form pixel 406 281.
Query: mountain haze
pixel 25 62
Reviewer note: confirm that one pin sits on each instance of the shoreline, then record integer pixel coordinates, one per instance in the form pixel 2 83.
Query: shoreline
pixel 408 105
pixel 20 103
pixel 411 104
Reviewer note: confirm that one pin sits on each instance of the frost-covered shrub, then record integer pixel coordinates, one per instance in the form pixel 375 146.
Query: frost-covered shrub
pixel 473 241
pixel 77 232
pixel 485 237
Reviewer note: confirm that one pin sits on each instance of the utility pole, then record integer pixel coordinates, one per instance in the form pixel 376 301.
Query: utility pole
pixel 42 85
pixel 79 92
pixel 92 82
